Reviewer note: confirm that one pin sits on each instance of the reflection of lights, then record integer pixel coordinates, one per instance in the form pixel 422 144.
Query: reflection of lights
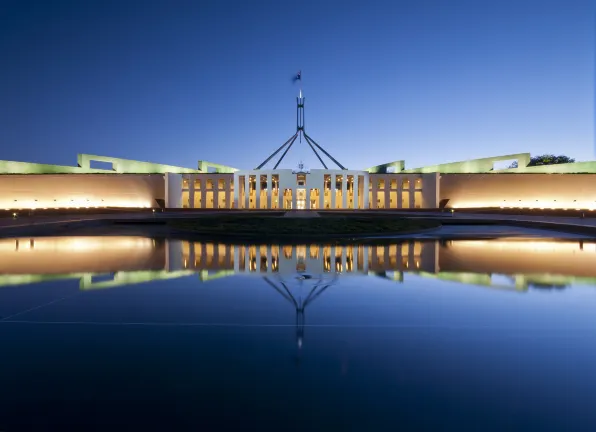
pixel 78 244
pixel 525 245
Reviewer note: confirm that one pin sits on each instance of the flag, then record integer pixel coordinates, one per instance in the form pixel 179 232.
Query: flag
pixel 298 76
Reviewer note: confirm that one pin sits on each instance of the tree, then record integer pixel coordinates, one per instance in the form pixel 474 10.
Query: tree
pixel 546 159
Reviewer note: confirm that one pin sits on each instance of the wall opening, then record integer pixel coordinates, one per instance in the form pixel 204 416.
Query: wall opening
pixel 103 278
pixel 103 165
pixel 499 165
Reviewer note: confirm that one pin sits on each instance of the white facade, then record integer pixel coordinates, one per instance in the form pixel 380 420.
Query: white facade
pixel 317 189
pixel 287 189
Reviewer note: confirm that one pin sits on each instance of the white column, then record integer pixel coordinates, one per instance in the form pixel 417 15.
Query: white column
pixel 173 190
pixel 374 181
pixel 365 191
pixel 246 193
pixel 332 191
pixel 258 190
pixel 387 192
pixel 173 255
pixel 236 184
pixel 344 191
pixel 237 259
pixel 269 198
pixel 322 193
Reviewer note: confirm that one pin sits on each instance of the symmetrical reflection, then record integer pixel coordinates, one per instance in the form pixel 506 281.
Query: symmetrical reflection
pixel 102 262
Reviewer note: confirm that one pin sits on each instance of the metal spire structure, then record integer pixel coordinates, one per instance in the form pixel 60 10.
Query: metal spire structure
pixel 298 302
pixel 300 132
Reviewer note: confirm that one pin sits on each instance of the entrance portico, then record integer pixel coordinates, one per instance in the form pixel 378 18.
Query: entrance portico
pixel 317 189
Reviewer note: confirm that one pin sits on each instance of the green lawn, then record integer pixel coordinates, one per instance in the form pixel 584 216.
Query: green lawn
pixel 276 227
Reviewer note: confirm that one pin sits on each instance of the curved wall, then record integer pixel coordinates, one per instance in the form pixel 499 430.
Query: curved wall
pixel 80 190
pixel 519 190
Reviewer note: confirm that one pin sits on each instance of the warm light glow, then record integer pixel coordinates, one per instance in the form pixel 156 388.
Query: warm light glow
pixel 525 245
pixel 75 204
pixel 78 244
pixel 530 204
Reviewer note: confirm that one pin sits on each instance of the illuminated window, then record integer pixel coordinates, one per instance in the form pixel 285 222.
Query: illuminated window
pixel 418 183
pixel 197 184
pixel 393 183
pixel 221 184
pixel 381 184
pixel 338 181
pixel 288 252
pixel 418 199
pixel 405 184
pixel 405 249
pixel 185 183
pixel 209 183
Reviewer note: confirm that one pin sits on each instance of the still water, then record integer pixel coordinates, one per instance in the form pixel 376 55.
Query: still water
pixel 130 332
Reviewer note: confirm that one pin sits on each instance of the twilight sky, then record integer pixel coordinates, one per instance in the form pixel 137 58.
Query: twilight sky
pixel 428 81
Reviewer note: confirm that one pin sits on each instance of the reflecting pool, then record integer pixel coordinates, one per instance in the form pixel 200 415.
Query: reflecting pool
pixel 139 333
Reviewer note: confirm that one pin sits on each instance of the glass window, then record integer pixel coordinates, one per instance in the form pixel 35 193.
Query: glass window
pixel 185 183
pixel 418 183
pixel 405 184
pixel 381 184
pixel 221 184
pixel 197 183
pixel 393 183
pixel 209 183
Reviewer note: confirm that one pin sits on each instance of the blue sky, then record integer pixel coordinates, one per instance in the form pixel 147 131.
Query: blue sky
pixel 178 81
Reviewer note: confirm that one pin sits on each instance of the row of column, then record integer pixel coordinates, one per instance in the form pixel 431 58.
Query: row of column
pixel 412 256
pixel 228 184
pixel 313 182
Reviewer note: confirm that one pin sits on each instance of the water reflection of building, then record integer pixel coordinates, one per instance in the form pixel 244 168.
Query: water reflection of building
pixel 300 292
pixel 314 258
pixel 101 262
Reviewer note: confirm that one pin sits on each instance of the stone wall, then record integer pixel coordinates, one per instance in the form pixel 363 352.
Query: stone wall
pixel 80 190
pixel 519 190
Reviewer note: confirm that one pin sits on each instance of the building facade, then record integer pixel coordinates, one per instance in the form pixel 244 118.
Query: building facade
pixel 126 183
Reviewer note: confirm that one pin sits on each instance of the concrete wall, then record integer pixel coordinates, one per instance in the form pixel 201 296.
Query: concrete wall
pixel 127 166
pixel 519 190
pixel 483 165
pixel 173 190
pixel 80 190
